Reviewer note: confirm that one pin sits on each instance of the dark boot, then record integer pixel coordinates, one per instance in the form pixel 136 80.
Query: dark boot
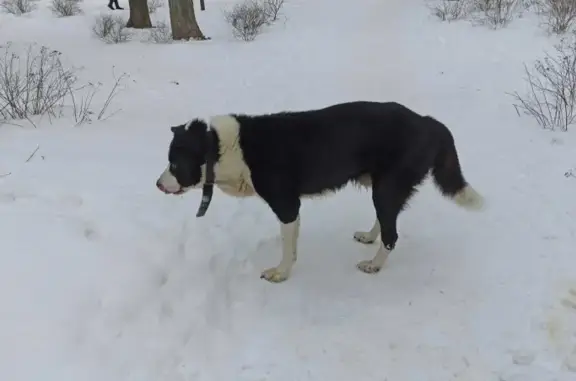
pixel 114 2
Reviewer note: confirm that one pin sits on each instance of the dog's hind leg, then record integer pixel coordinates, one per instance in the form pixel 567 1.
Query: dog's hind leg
pixel 369 236
pixel 389 196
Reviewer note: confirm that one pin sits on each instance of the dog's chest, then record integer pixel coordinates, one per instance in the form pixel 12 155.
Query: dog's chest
pixel 237 187
pixel 234 178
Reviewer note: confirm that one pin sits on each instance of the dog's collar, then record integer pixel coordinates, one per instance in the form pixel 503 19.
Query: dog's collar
pixel 211 157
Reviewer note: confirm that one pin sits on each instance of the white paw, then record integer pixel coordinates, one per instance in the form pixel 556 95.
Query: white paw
pixel 364 237
pixel 368 267
pixel 274 275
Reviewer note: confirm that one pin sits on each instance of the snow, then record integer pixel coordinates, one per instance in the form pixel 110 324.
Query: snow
pixel 102 277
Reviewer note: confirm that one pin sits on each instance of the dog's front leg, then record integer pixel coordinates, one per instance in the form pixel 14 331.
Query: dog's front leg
pixel 289 233
pixel 283 198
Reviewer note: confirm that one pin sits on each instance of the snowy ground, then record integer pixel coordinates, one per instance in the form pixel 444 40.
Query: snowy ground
pixel 104 278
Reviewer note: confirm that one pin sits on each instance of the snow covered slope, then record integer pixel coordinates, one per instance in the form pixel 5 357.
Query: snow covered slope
pixel 102 277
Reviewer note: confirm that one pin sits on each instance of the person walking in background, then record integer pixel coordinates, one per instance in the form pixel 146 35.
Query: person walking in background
pixel 114 2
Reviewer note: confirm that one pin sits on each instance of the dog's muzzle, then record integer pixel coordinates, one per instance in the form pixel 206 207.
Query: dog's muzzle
pixel 168 184
pixel 166 191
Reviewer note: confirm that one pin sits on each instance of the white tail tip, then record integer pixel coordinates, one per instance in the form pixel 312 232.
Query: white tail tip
pixel 469 199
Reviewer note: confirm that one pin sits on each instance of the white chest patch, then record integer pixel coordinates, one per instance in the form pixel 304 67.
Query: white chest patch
pixel 233 176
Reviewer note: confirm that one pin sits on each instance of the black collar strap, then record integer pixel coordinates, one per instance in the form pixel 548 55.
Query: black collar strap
pixel 211 156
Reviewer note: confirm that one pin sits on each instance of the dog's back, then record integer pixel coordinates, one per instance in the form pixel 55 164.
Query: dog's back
pixel 326 148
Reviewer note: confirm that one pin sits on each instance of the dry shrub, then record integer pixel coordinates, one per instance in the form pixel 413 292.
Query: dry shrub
pixel 247 19
pixel 451 10
pixel 551 98
pixel 161 33
pixel 250 16
pixel 497 13
pixel 18 7
pixel 560 14
pixel 154 5
pixel 36 83
pixel 110 29
pixel 65 8
pixel 272 8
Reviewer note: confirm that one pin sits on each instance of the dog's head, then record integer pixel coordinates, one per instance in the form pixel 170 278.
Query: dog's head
pixel 186 159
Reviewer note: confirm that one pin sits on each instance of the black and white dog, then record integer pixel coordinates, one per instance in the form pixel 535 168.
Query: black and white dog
pixel 285 156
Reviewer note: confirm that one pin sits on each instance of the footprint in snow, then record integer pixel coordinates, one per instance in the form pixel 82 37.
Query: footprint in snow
pixel 7 197
pixel 71 201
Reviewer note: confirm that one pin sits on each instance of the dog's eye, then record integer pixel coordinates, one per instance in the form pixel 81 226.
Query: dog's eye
pixel 173 166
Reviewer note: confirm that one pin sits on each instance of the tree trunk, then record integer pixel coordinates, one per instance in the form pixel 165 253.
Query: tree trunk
pixel 183 20
pixel 139 14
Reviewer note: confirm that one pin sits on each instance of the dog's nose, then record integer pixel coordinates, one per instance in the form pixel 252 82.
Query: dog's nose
pixel 160 186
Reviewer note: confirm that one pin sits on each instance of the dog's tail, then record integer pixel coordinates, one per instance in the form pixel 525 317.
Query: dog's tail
pixel 447 173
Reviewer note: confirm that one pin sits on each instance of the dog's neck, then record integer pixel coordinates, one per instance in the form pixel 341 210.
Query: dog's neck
pixel 232 176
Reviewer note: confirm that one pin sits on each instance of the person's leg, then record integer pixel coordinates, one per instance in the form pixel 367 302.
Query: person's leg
pixel 117 5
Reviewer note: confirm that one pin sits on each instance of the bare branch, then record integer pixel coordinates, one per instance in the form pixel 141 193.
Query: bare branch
pixel 111 95
pixel 36 84
pixel 110 29
pixel 272 9
pixel 247 19
pixel 32 154
pixel 161 33
pixel 451 10
pixel 18 7
pixel 154 5
pixel 497 13
pixel 65 8
pixel 560 14
pixel 551 96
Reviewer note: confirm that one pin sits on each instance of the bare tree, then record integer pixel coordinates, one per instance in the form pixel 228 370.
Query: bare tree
pixel 139 14
pixel 183 20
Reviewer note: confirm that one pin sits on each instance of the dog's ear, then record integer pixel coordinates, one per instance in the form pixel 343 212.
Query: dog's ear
pixel 177 129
